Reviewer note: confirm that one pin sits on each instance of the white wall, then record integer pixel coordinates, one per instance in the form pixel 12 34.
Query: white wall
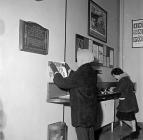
pixel 131 58
pixel 24 75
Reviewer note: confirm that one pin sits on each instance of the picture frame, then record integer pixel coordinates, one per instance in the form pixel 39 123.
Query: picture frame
pixel 97 21
pixel 137 33
pixel 33 37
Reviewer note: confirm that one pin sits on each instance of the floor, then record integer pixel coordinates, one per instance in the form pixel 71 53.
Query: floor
pixel 118 133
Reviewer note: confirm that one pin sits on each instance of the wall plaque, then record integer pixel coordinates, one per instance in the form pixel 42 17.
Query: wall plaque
pixel 33 37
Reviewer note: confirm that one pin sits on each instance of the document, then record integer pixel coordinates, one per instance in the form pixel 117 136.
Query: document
pixel 61 68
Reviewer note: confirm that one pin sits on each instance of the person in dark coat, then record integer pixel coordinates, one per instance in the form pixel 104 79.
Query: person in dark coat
pixel 83 93
pixel 128 105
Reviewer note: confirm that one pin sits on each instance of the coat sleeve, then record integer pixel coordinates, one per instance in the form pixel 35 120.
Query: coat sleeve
pixel 121 87
pixel 67 82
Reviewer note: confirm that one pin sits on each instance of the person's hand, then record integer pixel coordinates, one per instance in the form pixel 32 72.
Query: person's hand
pixel 53 67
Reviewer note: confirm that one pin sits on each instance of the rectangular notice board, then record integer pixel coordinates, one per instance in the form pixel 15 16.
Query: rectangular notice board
pixel 33 37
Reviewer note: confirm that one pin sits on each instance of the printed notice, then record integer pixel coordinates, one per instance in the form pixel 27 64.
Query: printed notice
pixel 137 33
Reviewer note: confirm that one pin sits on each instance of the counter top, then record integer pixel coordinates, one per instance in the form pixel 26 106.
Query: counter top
pixel 104 97
pixel 66 98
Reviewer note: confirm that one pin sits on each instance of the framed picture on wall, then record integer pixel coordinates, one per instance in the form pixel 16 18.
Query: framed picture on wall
pixel 33 37
pixel 97 21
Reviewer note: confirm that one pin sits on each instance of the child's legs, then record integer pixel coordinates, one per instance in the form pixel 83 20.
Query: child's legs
pixel 133 125
pixel 127 117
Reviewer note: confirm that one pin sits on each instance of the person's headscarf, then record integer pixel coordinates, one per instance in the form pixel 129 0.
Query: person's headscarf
pixel 84 56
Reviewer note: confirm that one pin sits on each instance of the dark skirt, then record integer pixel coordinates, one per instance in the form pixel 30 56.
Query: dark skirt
pixel 127 116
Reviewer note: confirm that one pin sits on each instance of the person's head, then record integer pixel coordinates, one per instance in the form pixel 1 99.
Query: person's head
pixel 84 56
pixel 116 72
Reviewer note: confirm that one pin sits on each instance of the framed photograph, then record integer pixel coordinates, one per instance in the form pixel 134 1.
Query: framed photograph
pixel 97 21
pixel 137 33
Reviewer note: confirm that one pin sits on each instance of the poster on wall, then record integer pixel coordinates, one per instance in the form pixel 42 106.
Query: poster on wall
pixel 137 33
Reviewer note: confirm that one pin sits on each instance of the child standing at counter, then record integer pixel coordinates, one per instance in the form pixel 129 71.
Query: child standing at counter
pixel 127 102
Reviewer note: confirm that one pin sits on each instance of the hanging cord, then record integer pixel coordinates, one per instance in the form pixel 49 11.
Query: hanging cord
pixel 122 33
pixel 63 113
pixel 65 48
pixel 65 31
